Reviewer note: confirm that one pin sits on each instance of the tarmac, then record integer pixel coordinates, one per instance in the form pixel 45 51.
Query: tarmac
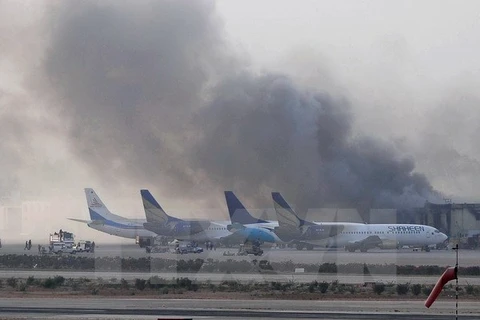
pixel 123 308
pixel 318 256
pixel 381 257
pixel 109 308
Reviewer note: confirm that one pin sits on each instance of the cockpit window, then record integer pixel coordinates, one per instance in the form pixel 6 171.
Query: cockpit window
pixel 436 231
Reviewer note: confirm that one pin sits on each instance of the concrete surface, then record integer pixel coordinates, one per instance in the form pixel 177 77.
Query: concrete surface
pixel 374 256
pixel 106 308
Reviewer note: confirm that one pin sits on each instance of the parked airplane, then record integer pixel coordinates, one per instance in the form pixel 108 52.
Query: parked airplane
pixel 105 221
pixel 249 227
pixel 362 236
pixel 269 231
pixel 159 222
pixel 293 229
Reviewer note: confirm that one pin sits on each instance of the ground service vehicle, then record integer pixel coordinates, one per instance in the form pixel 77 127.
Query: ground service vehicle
pixel 84 246
pixel 60 248
pixel 64 242
pixel 189 249
pixel 249 249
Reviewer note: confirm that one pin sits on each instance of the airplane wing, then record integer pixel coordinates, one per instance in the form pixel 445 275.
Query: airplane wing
pixel 368 241
pixel 372 242
pixel 89 222
pixel 234 227
pixel 80 220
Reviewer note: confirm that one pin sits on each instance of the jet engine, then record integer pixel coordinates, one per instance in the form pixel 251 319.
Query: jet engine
pixel 251 233
pixel 389 244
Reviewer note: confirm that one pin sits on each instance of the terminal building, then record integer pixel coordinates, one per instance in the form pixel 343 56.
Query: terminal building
pixel 460 221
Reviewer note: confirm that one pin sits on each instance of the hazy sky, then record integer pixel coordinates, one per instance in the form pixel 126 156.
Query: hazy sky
pixel 410 67
pixel 321 100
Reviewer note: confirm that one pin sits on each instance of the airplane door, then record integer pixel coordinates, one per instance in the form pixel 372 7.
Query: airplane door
pixel 429 234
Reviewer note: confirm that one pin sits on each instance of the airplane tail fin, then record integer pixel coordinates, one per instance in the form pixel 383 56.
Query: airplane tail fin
pixel 153 211
pixel 287 217
pixel 98 210
pixel 238 213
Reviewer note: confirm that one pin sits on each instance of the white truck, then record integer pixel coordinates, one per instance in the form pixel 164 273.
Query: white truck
pixel 84 246
pixel 62 242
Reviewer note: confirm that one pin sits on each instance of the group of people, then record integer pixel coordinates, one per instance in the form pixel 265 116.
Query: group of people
pixel 61 234
pixel 210 245
pixel 28 245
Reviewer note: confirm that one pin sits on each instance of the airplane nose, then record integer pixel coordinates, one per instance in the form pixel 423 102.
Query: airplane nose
pixel 444 236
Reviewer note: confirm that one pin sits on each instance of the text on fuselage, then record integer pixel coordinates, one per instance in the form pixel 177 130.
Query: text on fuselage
pixel 405 228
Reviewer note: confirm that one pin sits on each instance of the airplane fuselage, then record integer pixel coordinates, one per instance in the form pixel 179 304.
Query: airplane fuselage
pixel 401 234
pixel 195 230
pixel 124 229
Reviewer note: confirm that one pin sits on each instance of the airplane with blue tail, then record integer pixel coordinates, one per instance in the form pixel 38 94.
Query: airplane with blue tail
pixel 247 226
pixel 162 224
pixel 302 233
pixel 355 236
pixel 273 231
pixel 157 222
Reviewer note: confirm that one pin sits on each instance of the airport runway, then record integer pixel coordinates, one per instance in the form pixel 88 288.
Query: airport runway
pixel 244 278
pixel 107 308
pixel 374 256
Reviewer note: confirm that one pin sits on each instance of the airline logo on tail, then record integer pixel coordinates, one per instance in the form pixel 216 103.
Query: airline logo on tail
pixel 95 203
pixel 286 216
pixel 98 211
pixel 153 211
pixel 237 211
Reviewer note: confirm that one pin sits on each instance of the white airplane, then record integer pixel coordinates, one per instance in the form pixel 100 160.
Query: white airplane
pixel 159 222
pixel 105 221
pixel 360 236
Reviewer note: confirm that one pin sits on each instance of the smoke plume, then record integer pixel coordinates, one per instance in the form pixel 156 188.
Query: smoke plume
pixel 150 94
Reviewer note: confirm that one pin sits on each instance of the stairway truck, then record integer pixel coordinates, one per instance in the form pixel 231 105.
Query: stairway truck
pixel 65 237
pixel 62 242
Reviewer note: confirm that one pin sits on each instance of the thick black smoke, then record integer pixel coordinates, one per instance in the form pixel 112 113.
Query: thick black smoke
pixel 264 131
pixel 128 76
pixel 153 97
